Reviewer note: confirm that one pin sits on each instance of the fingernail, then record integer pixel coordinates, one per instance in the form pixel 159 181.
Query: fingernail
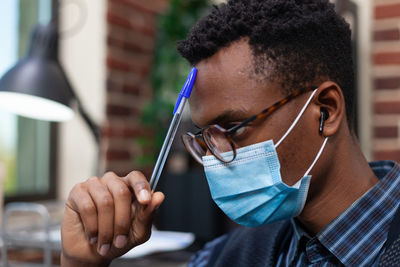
pixel 93 240
pixel 120 241
pixel 104 249
pixel 144 195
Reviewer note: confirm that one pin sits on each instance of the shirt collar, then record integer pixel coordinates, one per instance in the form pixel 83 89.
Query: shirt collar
pixel 356 236
pixel 299 230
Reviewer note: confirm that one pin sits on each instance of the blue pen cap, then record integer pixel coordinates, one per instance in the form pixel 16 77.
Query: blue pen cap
pixel 187 87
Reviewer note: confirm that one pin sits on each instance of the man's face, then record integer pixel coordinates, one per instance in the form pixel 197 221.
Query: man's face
pixel 227 92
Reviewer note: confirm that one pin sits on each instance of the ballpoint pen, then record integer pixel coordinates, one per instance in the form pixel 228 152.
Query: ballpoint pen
pixel 176 119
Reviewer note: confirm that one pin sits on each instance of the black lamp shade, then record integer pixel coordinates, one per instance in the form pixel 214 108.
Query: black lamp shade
pixel 37 86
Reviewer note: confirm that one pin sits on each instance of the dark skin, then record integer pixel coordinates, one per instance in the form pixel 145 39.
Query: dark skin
pixel 227 92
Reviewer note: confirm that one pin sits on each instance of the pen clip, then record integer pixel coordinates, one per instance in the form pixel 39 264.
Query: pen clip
pixel 187 88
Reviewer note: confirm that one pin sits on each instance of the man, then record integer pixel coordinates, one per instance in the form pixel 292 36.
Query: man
pixel 275 82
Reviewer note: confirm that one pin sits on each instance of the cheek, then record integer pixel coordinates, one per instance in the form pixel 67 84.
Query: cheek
pixel 298 150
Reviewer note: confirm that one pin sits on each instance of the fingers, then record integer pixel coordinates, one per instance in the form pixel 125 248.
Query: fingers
pixel 81 202
pixel 140 186
pixel 143 213
pixel 155 202
pixel 142 210
pixel 122 201
pixel 104 202
pixel 141 227
pixel 106 209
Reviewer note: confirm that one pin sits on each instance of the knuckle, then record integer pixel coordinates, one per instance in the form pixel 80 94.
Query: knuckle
pixel 78 187
pixel 88 208
pixel 76 192
pixel 140 185
pixel 92 179
pixel 107 202
pixel 135 175
pixel 110 174
pixel 123 191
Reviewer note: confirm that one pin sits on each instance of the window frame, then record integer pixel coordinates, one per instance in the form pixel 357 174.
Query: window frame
pixel 52 191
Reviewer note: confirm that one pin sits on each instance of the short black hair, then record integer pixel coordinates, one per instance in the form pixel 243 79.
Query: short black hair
pixel 304 41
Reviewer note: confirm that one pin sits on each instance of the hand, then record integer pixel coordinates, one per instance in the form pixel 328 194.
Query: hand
pixel 106 217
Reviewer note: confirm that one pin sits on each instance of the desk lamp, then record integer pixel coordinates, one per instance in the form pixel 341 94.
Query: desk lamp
pixel 37 86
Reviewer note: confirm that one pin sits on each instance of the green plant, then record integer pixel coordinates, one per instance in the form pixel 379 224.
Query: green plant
pixel 169 70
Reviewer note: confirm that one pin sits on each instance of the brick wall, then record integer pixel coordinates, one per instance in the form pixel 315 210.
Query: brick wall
pixel 130 44
pixel 386 77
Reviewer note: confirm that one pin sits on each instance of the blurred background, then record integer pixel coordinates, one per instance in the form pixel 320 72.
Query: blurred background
pixel 120 60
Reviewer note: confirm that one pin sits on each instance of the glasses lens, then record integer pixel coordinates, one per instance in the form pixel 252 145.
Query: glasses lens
pixel 219 144
pixel 195 146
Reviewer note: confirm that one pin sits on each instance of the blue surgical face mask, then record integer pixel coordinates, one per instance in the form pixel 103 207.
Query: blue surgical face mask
pixel 250 189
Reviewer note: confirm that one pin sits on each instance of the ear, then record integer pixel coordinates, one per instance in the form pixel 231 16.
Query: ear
pixel 330 97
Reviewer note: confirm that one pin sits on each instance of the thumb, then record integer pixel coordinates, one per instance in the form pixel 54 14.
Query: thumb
pixel 143 218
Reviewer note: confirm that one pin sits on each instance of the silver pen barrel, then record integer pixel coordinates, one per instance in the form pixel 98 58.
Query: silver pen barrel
pixel 169 138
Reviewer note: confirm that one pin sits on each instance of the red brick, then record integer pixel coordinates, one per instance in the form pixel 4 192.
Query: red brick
pixel 387 58
pixel 113 86
pixel 126 132
pixel 387 83
pixel 144 42
pixel 115 110
pixel 153 6
pixel 135 132
pixel 386 132
pixel 112 131
pixel 127 66
pixel 157 6
pixel 387 11
pixel 118 65
pixel 123 88
pixel 131 90
pixel 117 154
pixel 387 35
pixel 133 57
pixel 126 45
pixel 130 44
pixel 387 155
pixel 132 132
pixel 136 16
pixel 391 107
pixel 127 23
pixel 107 131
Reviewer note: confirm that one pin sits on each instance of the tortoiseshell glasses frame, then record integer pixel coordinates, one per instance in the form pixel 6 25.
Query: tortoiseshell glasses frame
pixel 219 141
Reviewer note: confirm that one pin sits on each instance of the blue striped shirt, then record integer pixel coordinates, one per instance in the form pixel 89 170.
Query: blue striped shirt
pixel 355 238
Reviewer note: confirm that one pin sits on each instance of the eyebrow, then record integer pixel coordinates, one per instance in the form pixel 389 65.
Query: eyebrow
pixel 228 116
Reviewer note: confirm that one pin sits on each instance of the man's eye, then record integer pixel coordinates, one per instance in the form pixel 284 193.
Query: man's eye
pixel 240 133
pixel 240 130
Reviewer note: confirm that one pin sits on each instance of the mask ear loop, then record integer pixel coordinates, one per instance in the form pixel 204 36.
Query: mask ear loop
pixel 296 120
pixel 317 157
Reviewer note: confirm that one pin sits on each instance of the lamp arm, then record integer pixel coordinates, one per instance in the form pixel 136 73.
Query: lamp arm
pixel 90 123
pixel 94 128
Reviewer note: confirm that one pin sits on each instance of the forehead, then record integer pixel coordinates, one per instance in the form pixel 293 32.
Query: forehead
pixel 225 82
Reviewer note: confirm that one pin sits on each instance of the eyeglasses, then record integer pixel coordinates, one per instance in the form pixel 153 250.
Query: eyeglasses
pixel 219 141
